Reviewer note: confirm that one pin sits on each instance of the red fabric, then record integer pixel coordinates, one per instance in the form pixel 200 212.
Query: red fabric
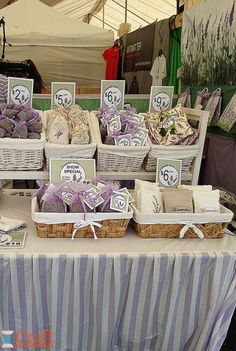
pixel 111 56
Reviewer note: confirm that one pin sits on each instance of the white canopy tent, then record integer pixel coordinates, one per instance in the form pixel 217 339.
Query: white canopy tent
pixel 110 13
pixel 62 48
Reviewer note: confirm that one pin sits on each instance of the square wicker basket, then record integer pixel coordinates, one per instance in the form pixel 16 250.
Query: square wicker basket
pixel 191 155
pixel 70 150
pixel 169 225
pixel 111 158
pixel 62 225
pixel 21 154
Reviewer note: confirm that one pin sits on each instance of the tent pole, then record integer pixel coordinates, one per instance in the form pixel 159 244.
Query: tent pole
pixel 99 19
pixel 133 13
pixel 103 14
pixel 126 6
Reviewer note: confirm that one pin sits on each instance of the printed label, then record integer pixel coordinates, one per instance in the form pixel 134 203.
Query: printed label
pixel 119 202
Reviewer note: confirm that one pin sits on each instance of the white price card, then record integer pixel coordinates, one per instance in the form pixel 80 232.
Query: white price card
pixel 112 93
pixel 168 173
pixel 20 91
pixel 161 98
pixel 72 170
pixel 62 94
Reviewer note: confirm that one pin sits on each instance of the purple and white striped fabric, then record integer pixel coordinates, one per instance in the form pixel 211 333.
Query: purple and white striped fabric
pixel 164 302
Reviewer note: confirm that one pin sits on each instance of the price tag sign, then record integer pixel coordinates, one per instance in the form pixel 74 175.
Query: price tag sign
pixel 160 99
pixel 62 94
pixel 112 93
pixel 168 173
pixel 20 91
pixel 72 170
pixel 13 240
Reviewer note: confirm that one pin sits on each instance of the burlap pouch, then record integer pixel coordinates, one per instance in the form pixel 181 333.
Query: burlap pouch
pixel 178 201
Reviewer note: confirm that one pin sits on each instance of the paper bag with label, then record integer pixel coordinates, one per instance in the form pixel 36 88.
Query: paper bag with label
pixel 228 118
pixel 213 106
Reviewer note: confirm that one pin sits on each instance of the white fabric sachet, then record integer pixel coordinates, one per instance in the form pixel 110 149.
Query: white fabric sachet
pixel 151 201
pixel 142 185
pixel 206 201
pixel 9 224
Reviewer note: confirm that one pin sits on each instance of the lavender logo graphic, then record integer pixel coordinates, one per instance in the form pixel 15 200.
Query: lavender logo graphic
pixel 157 207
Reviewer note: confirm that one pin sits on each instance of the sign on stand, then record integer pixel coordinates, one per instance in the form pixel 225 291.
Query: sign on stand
pixel 74 170
pixel 62 94
pixel 113 93
pixel 161 98
pixel 168 173
pixel 20 91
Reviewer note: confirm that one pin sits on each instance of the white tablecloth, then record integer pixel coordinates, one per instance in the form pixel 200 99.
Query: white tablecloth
pixel 118 294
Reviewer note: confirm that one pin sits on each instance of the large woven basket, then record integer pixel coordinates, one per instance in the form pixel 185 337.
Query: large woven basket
pixel 190 155
pixel 111 228
pixel 72 150
pixel 61 225
pixel 21 154
pixel 113 158
pixel 168 225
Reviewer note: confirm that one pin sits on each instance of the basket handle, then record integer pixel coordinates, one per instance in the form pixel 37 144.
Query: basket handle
pixel 188 225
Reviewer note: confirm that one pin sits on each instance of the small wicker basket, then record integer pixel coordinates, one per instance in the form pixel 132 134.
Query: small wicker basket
pixel 179 152
pixel 111 158
pixel 71 150
pixel 168 225
pixel 191 155
pixel 21 154
pixel 62 225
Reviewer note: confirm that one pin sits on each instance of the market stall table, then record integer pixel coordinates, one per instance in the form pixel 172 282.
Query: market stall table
pixel 113 294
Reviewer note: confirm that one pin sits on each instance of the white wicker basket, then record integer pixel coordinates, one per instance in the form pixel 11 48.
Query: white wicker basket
pixel 179 152
pixel 191 155
pixel 111 158
pixel 21 154
pixel 70 150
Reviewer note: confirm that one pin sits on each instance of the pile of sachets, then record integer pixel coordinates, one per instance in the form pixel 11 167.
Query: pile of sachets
pixel 149 198
pixel 97 196
pixel 171 128
pixel 68 126
pixel 19 121
pixel 122 128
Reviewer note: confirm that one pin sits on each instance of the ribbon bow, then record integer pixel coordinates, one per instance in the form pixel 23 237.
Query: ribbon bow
pixel 188 225
pixel 84 223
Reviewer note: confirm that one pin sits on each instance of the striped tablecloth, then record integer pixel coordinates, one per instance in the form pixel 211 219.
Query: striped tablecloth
pixel 167 302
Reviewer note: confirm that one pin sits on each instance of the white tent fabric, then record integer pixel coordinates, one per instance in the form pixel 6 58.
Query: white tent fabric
pixel 140 12
pixel 62 48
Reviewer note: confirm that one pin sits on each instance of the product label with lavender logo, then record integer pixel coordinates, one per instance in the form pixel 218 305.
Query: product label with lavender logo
pixel 119 202
pixel 66 195
pixel 92 198
pixel 123 140
pixel 142 133
pixel 137 141
pixel 137 118
pixel 114 125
